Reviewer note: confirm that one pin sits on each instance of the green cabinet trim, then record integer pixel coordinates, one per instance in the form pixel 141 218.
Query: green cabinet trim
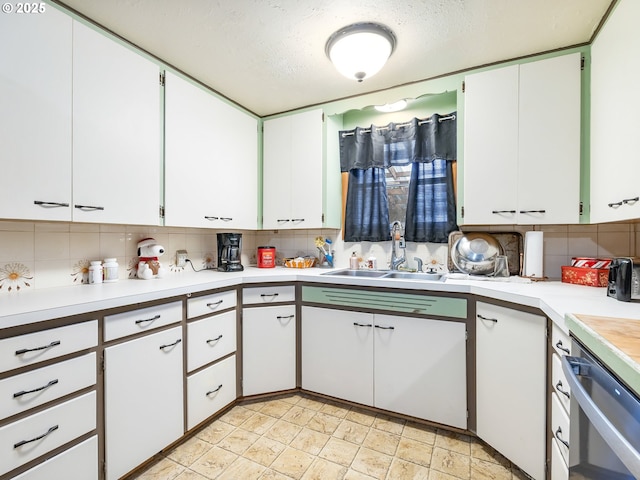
pixel 388 301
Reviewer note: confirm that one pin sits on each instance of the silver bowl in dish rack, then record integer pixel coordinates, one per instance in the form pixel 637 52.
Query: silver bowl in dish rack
pixel 475 253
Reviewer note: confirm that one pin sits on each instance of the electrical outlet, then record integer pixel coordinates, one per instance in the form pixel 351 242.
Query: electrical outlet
pixel 402 243
pixel 181 258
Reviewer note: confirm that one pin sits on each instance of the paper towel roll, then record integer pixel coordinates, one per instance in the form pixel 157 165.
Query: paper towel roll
pixel 533 254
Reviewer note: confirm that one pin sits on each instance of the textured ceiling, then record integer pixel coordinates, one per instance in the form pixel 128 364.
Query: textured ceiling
pixel 268 55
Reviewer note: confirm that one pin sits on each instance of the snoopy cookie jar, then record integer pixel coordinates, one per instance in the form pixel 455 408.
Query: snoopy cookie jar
pixel 149 251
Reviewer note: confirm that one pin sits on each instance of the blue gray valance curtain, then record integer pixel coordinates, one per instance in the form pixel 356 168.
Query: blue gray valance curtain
pixel 429 146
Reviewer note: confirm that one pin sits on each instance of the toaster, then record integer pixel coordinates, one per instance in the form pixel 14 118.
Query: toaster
pixel 624 279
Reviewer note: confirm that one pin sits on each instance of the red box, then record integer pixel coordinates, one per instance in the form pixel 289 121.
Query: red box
pixel 590 262
pixel 593 277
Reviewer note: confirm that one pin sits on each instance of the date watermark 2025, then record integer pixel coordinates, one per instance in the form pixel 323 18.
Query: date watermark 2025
pixel 24 8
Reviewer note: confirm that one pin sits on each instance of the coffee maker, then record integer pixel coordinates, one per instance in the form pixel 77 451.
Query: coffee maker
pixel 229 249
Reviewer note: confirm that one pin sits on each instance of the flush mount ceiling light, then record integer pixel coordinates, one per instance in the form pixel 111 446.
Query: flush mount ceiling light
pixel 360 50
pixel 391 107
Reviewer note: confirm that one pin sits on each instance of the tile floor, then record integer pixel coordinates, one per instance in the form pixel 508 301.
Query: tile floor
pixel 305 438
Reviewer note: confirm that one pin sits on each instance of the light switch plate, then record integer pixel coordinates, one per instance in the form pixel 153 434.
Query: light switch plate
pixel 181 258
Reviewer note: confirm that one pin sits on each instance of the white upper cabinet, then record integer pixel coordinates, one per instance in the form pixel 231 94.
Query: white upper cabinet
pixel 615 101
pixel 116 132
pixel 293 186
pixel 522 143
pixel 211 160
pixel 35 125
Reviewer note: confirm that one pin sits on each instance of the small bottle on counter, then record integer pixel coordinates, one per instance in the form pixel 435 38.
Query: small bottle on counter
pixel 110 267
pixel 353 262
pixel 95 272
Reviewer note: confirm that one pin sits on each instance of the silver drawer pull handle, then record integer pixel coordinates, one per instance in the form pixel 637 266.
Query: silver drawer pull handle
pixel 288 317
pixel 226 219
pixel 213 391
pixel 561 390
pixel 362 324
pixel 297 219
pixel 44 347
pixel 148 319
pixel 90 208
pixel 533 211
pixel 213 340
pixel 562 348
pixel 162 347
pixel 503 211
pixel 215 304
pixel 494 320
pixel 269 295
pixel 385 327
pixel 280 220
pixel 50 204
pixel 560 439
pixel 24 442
pixel 25 392
pixel 211 218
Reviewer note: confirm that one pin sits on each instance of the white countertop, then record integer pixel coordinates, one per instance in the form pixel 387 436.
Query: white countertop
pixel 555 299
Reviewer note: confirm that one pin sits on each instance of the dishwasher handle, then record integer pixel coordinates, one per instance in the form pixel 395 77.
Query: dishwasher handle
pixel 628 455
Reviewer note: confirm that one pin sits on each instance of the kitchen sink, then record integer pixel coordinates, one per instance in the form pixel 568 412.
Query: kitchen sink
pixel 357 273
pixel 434 277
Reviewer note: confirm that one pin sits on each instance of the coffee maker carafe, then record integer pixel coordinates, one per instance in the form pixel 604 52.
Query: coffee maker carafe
pixel 229 250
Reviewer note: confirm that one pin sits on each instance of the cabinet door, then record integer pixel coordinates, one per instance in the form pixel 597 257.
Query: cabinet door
pixel 615 101
pixel 510 384
pixel 491 147
pixel 337 353
pixel 144 407
pixel 35 125
pixel 269 349
pixel 116 132
pixel 293 171
pixel 211 160
pixel 420 368
pixel 549 141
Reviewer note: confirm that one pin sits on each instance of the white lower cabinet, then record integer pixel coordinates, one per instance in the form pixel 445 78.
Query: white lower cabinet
pixel 210 390
pixel 337 353
pixel 559 469
pixel 143 393
pixel 414 366
pixel 33 436
pixel 269 349
pixel 510 384
pixel 77 463
pixel 420 368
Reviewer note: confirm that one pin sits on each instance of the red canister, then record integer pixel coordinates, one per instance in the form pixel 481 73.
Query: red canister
pixel 266 257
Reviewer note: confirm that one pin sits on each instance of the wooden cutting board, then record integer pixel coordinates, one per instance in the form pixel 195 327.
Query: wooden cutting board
pixel 622 333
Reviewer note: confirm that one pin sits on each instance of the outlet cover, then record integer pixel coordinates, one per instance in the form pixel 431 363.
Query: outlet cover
pixel 181 258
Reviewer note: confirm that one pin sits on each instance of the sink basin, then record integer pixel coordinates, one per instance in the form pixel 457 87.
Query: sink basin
pixel 357 273
pixel 414 276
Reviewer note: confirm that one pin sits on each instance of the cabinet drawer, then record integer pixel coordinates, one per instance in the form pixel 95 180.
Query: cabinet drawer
pixel 559 382
pixel 27 439
pixel 210 339
pixel 210 390
pixel 560 341
pixel 32 348
pixel 387 301
pixel 140 320
pixel 197 306
pixel 560 427
pixel 559 469
pixel 77 463
pixel 262 295
pixel 22 392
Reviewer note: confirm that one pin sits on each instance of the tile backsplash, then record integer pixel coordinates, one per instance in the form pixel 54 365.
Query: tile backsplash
pixel 46 254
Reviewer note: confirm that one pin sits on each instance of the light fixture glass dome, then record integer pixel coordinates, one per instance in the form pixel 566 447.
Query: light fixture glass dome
pixel 360 50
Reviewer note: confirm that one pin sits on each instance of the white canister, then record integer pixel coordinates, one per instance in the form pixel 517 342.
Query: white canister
pixel 372 263
pixel 110 267
pixel 95 272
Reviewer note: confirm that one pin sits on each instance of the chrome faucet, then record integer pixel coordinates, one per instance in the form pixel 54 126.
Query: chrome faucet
pixel 396 235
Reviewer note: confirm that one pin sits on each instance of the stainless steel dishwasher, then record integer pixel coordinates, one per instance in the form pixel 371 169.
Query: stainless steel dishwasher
pixel 604 442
